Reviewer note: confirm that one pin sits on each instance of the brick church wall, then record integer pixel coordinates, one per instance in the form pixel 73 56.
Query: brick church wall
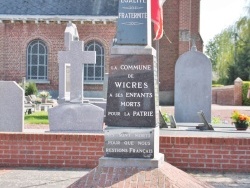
pixel 16 36
pixel 169 51
pixel 1 51
pixel 180 17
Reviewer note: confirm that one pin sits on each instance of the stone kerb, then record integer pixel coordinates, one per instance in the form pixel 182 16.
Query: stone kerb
pixel 11 107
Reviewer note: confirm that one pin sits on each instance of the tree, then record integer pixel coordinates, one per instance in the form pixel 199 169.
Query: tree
pixel 229 52
pixel 211 51
pixel 241 68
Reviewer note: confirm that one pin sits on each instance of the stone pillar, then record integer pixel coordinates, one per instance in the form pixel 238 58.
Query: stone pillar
pixel 238 92
pixel 105 85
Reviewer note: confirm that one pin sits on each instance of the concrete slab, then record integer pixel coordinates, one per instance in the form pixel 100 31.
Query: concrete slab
pixel 220 131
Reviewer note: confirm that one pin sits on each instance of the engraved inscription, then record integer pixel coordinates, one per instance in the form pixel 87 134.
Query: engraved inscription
pixel 129 143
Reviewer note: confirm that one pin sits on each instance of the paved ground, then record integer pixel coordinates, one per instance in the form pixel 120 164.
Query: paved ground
pixel 39 177
pixel 224 180
pixel 62 178
pixel 222 112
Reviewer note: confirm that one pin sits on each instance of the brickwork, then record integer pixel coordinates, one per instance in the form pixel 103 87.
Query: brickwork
pixel 189 21
pixel 228 95
pixel 223 95
pixel 183 15
pixel 169 50
pixel 165 177
pixel 1 51
pixel 210 154
pixel 195 14
pixel 18 35
pixel 83 151
pixel 51 150
pixel 185 24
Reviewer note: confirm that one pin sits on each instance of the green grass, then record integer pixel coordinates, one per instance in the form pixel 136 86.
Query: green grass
pixel 37 118
pixel 216 120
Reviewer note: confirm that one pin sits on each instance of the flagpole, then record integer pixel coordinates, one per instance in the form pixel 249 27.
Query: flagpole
pixel 158 63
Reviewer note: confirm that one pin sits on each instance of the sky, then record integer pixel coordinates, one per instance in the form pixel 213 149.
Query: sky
pixel 216 15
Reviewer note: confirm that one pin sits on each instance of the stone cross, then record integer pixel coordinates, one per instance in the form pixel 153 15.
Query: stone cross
pixel 75 56
pixel 193 39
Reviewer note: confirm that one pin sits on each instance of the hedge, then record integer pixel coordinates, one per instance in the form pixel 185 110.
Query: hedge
pixel 245 87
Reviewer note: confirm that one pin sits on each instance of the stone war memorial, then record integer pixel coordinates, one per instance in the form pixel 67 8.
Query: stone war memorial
pixel 74 115
pixel 132 100
pixel 131 135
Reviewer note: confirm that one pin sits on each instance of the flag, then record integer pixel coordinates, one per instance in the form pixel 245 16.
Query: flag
pixel 157 17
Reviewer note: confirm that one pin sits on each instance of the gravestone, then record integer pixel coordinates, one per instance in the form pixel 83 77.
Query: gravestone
pixel 193 87
pixel 74 115
pixel 132 113
pixel 11 107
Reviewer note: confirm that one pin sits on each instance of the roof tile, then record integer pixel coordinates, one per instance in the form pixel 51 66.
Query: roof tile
pixel 59 7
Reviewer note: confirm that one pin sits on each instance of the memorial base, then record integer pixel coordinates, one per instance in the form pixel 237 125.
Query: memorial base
pixel 132 162
pixel 165 176
pixel 76 117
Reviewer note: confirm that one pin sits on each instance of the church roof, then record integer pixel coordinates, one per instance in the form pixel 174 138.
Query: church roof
pixel 59 7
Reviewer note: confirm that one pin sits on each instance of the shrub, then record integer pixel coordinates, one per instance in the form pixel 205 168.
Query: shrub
pixel 166 117
pixel 44 94
pixel 216 120
pixel 30 89
pixel 217 85
pixel 245 87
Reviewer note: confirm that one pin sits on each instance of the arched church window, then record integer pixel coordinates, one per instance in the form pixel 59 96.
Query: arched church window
pixel 37 60
pixel 95 72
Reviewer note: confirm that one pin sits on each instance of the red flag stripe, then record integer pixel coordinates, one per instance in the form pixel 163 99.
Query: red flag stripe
pixel 157 18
